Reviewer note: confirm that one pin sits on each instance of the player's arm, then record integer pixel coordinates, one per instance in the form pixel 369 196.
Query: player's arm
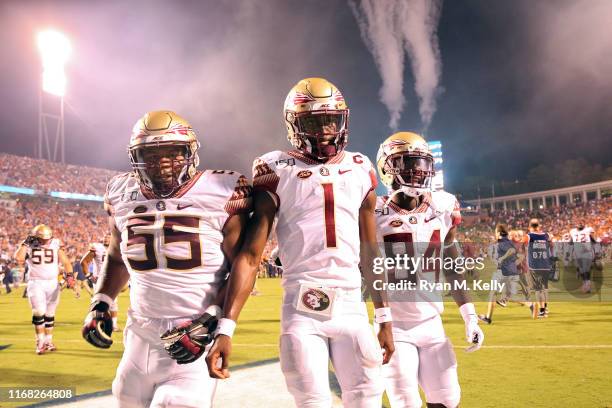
pixel 86 260
pixel 233 236
pixel 114 275
pixel 20 253
pixel 369 251
pixel 473 333
pixel 505 256
pixel 63 258
pixel 69 273
pixel 242 280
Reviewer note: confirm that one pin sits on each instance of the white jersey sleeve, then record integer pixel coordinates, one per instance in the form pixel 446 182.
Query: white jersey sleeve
pixel 172 246
pixel 43 261
pixel 317 214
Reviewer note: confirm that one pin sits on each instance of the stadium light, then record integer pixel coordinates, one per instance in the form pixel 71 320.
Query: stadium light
pixel 54 50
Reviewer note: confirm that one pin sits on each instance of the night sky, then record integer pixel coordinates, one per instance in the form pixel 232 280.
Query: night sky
pixel 522 82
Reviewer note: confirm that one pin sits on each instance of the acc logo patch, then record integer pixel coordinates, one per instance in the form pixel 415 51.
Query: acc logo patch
pixel 304 174
pixel 396 223
pixel 161 206
pixel 140 209
pixel 412 219
pixel 324 171
pixel 314 299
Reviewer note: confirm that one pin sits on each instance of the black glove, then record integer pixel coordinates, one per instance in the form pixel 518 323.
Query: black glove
pixel 98 326
pixel 31 241
pixel 186 343
pixel 91 280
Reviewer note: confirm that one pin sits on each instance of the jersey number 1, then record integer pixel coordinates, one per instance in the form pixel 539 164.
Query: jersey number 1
pixel 330 215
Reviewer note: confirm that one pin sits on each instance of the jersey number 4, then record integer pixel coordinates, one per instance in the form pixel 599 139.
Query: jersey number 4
pixel 175 229
pixel 433 248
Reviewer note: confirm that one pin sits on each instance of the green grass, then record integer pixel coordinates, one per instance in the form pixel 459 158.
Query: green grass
pixel 507 373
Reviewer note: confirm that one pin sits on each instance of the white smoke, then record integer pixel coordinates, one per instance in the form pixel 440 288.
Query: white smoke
pixel 391 27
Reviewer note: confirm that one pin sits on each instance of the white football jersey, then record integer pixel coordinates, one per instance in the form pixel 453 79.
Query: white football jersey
pixel 172 246
pixel 420 233
pixel 99 251
pixel 582 241
pixel 43 261
pixel 318 214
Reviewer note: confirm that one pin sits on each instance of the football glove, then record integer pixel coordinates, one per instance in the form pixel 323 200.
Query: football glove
pixel 187 342
pixel 473 333
pixel 98 325
pixel 31 241
pixel 91 280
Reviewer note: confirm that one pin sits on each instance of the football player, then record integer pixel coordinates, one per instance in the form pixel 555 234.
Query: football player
pixel 174 230
pixel 323 199
pixel 417 221
pixel 581 238
pixel 97 253
pixel 42 253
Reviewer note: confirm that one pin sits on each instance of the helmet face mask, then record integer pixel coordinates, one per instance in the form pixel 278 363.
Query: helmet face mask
pixel 163 152
pixel 409 170
pixel 321 133
pixel 162 168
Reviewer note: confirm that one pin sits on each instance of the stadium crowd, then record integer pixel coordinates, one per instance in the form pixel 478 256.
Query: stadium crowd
pixel 555 220
pixel 18 171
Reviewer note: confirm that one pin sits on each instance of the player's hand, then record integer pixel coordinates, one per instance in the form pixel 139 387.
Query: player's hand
pixel 90 280
pixel 30 241
pixel 187 342
pixel 70 282
pixel 98 325
pixel 220 350
pixel 473 333
pixel 385 338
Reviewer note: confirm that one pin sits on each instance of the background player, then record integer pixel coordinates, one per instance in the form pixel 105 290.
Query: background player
pixel 417 221
pixel 323 198
pixel 44 254
pixel 97 253
pixel 583 254
pixel 174 231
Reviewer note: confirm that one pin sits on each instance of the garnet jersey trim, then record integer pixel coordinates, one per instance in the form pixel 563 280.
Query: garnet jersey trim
pixel 264 178
pixel 310 160
pixel 241 200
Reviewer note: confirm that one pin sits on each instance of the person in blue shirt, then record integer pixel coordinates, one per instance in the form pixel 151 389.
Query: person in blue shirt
pixel 539 263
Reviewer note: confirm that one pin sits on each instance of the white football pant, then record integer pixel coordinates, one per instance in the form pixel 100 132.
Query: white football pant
pixel 43 296
pixel 148 377
pixel 423 356
pixel 308 342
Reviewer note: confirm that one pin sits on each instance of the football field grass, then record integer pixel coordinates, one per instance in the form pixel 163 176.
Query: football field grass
pixel 562 361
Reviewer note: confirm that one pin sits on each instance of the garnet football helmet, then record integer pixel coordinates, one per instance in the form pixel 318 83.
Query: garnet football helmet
pixel 405 163
pixel 163 135
pixel 316 117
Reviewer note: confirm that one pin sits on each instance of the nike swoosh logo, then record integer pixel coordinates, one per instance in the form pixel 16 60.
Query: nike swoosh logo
pixel 182 207
pixel 436 215
pixel 344 171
